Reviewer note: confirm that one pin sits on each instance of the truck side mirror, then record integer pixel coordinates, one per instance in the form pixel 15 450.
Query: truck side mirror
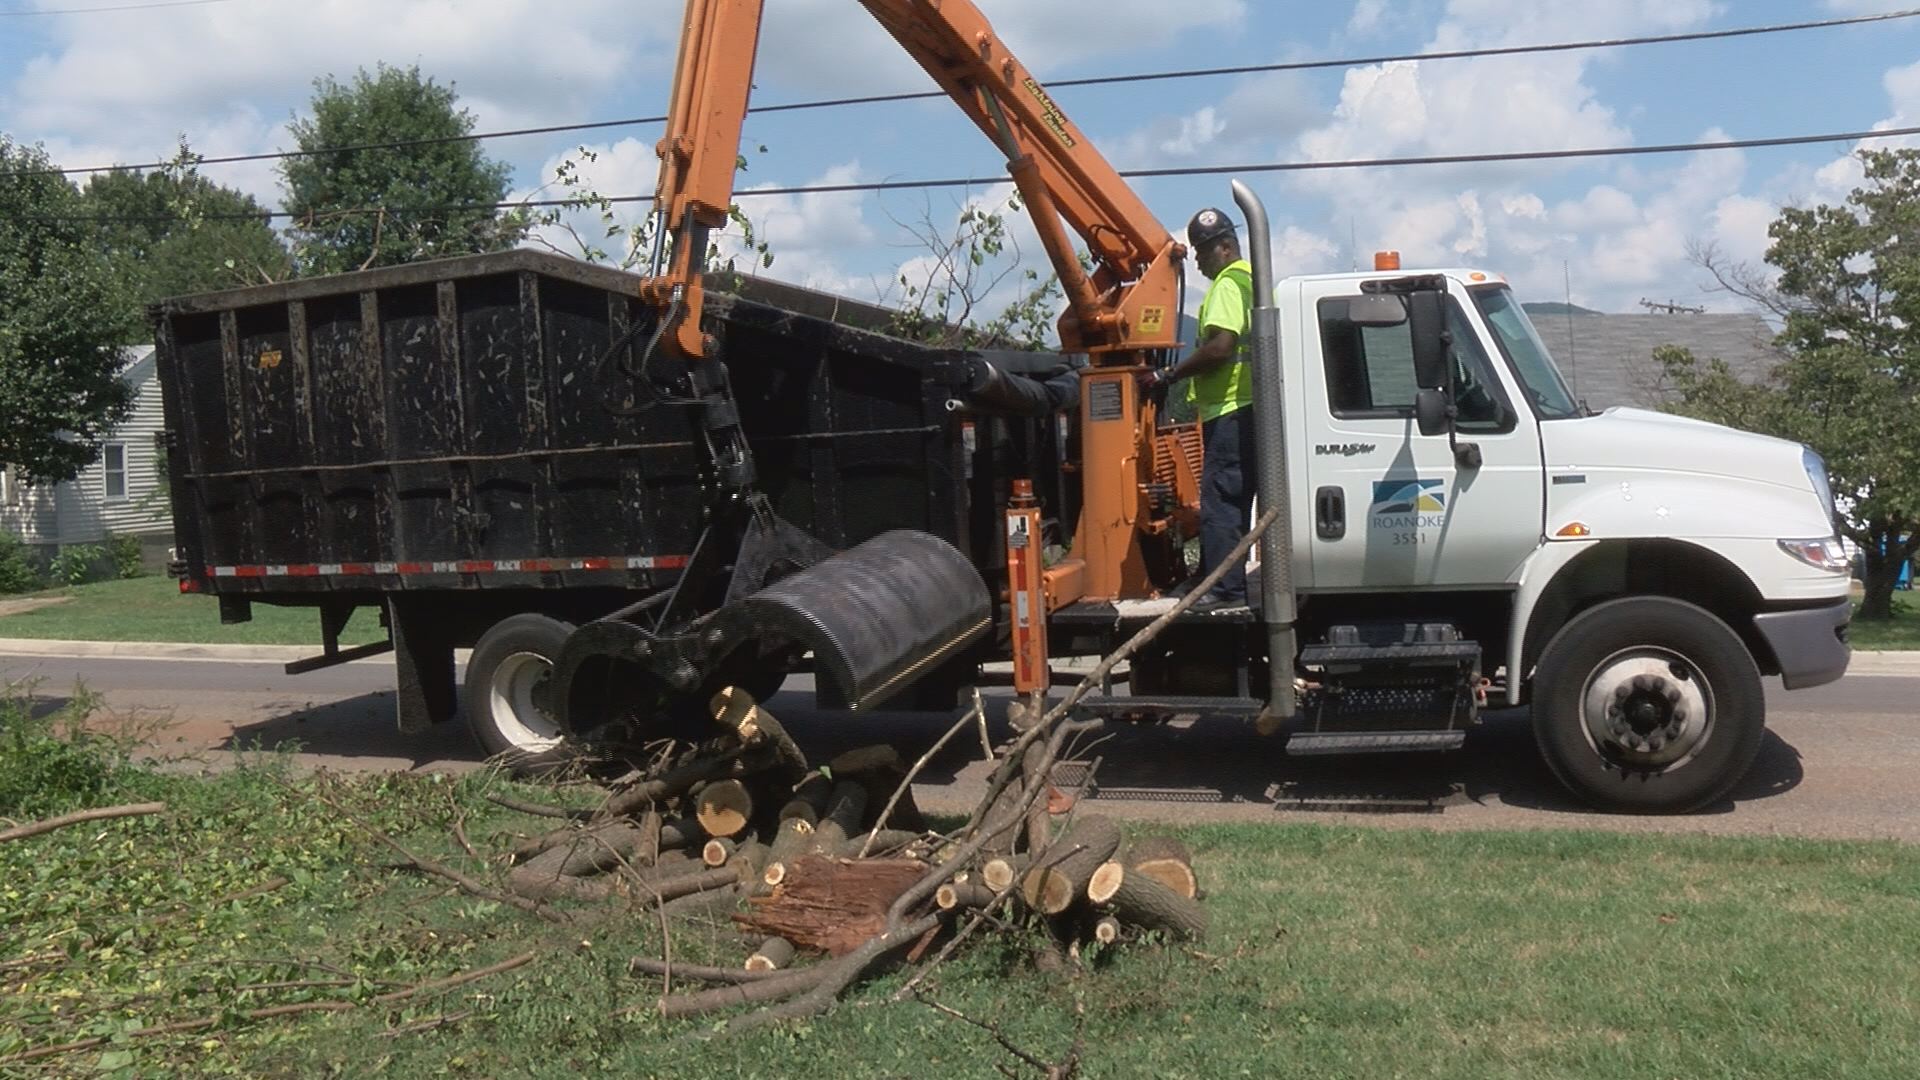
pixel 1433 411
pixel 1427 312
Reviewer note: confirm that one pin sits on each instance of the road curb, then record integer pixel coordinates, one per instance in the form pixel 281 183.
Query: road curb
pixel 163 650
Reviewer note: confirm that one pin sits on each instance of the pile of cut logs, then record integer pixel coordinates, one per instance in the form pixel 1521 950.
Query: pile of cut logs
pixel 827 871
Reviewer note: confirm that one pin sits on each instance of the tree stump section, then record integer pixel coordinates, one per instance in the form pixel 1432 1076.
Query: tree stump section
pixel 1053 884
pixel 832 905
pixel 1138 900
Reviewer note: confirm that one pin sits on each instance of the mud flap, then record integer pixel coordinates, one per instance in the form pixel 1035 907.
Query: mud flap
pixel 876 617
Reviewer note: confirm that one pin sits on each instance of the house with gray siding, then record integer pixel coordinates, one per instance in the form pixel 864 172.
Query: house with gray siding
pixel 1608 359
pixel 119 494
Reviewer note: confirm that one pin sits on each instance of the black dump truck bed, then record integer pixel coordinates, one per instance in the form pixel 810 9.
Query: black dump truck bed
pixel 442 425
pixel 453 446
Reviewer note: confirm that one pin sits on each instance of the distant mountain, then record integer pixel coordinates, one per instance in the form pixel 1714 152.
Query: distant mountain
pixel 1557 308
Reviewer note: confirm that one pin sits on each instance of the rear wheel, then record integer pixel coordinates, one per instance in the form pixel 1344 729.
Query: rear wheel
pixel 506 703
pixel 1648 705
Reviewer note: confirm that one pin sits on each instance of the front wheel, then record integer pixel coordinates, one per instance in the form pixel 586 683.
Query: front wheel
pixel 1648 705
pixel 505 693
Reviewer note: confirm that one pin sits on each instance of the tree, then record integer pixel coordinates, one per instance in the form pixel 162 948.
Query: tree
pixel 63 318
pixel 354 209
pixel 174 232
pixel 1848 292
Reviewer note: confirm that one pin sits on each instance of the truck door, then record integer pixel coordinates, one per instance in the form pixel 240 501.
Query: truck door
pixel 1392 508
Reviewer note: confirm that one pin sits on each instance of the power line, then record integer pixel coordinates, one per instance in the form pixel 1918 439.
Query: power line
pixel 1131 174
pixel 1102 80
pixel 117 7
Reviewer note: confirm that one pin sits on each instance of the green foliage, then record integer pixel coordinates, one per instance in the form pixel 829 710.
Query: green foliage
pixel 127 559
pixel 63 315
pixel 1850 296
pixel 75 563
pixel 941 293
pixel 174 232
pixel 380 207
pixel 635 242
pixel 18 574
pixel 49 762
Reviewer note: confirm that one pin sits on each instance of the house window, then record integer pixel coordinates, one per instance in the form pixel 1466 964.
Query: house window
pixel 113 467
pixel 9 486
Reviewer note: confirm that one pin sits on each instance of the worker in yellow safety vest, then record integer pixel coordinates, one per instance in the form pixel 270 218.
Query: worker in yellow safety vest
pixel 1221 388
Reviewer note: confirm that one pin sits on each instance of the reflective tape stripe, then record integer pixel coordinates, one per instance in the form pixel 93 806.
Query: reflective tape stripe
pixel 462 566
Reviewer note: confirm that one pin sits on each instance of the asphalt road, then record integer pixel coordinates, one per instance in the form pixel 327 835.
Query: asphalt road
pixel 1839 761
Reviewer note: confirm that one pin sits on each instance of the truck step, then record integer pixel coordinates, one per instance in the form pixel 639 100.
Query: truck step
pixel 1429 654
pixel 1314 743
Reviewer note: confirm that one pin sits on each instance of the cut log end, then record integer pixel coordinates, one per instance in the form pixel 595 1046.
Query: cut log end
pixel 1172 873
pixel 998 874
pixel 772 955
pixel 963 894
pixel 724 807
pixel 1107 930
pixel 718 851
pixel 1105 882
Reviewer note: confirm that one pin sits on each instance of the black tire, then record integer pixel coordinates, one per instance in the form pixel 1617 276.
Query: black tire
pixel 510 663
pixel 1618 701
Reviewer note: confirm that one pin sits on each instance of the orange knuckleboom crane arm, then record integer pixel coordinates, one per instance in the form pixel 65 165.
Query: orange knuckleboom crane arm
pixel 698 155
pixel 1119 313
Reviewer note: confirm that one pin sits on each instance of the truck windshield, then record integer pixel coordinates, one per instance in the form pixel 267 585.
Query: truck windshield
pixel 1527 353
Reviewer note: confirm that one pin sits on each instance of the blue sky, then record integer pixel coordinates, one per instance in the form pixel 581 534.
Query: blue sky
pixel 122 86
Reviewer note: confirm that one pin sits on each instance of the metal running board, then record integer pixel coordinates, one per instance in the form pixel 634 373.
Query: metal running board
pixel 1313 743
pixel 1118 705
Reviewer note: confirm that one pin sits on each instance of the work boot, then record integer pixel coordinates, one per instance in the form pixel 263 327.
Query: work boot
pixel 1183 588
pixel 1213 603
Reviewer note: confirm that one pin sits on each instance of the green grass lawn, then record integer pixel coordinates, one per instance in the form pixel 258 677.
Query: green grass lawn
pixel 1335 952
pixel 153 609
pixel 1902 632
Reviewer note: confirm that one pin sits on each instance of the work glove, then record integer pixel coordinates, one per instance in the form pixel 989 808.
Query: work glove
pixel 1152 381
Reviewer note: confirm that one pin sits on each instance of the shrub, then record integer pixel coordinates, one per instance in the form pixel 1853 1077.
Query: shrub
pixel 127 561
pixel 17 572
pixel 74 565
pixel 49 762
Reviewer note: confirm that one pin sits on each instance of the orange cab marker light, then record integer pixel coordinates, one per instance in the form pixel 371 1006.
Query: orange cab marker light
pixel 1574 530
pixel 1386 260
pixel 1476 276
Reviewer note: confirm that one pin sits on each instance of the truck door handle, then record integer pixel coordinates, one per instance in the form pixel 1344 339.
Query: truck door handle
pixel 1330 512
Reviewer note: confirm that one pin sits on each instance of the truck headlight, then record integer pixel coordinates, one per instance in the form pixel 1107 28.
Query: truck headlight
pixel 1817 476
pixel 1826 554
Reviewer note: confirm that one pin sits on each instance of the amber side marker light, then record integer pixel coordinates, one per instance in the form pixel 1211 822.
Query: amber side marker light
pixel 1574 531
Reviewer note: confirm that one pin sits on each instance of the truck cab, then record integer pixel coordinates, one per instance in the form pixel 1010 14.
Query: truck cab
pixel 1631 575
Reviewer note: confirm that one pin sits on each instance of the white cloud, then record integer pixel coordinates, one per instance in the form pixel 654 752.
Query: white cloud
pixel 1367 17
pixel 835 46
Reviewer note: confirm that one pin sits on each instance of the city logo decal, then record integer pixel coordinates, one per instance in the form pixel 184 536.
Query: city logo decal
pixel 1409 496
pixel 1405 508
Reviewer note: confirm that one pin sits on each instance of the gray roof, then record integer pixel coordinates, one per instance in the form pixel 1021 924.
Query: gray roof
pixel 1608 359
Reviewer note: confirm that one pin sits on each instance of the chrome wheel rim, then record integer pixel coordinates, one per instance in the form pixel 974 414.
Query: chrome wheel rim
pixel 1647 709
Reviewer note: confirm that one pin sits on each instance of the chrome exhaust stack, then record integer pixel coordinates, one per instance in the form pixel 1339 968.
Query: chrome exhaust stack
pixel 1277 605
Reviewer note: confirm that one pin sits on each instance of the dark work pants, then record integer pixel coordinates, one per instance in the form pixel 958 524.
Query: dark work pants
pixel 1228 482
